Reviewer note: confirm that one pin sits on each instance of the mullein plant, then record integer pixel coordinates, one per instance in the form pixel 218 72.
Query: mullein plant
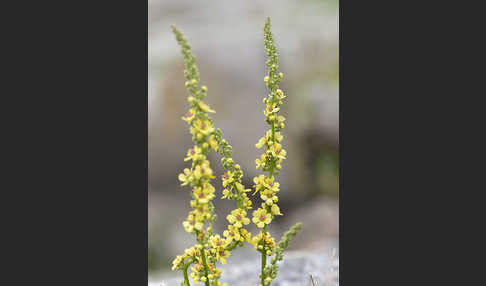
pixel 211 248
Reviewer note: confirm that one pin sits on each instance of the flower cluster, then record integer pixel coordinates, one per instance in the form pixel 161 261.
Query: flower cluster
pixel 271 160
pixel 234 190
pixel 211 248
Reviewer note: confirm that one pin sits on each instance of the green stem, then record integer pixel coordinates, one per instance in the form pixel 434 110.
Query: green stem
pixel 264 258
pixel 186 278
pixel 203 255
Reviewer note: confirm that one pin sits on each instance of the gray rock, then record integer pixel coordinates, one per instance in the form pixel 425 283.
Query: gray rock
pixel 294 270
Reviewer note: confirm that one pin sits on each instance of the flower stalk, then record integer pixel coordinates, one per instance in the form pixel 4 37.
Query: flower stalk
pixel 211 249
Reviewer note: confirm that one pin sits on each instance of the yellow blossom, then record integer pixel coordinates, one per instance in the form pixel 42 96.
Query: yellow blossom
pixel 227 178
pixel 201 128
pixel 238 218
pixel 213 143
pixel 186 177
pixel 226 194
pixel 221 254
pixel 204 107
pixel 194 154
pixel 277 151
pixel 261 162
pixel 232 233
pixel 189 116
pixel 245 235
pixel 271 109
pixel 203 170
pixel 261 217
pixel 275 210
pixel 216 241
pixel 204 195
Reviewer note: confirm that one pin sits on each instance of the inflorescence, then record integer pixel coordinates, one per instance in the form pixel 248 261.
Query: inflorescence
pixel 211 248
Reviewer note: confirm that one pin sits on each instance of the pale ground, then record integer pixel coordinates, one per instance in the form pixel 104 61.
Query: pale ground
pixel 295 270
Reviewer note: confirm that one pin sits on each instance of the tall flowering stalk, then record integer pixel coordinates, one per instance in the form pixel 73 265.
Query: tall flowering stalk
pixel 270 162
pixel 209 248
pixel 214 248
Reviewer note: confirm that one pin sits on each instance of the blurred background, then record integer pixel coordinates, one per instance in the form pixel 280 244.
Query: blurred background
pixel 227 39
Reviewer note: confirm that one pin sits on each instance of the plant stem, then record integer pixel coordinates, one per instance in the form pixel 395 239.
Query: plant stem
pixel 203 255
pixel 186 278
pixel 264 257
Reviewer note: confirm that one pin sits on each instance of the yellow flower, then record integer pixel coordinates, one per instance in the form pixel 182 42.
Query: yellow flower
pixel 221 254
pixel 188 226
pixel 177 262
pixel 271 185
pixel 271 109
pixel 245 235
pixel 226 194
pixel 247 203
pixel 190 252
pixel 204 195
pixel 280 94
pixel 204 107
pixel 232 233
pixel 194 154
pixel 275 210
pixel 203 170
pixel 202 128
pixel 189 116
pixel 277 151
pixel 261 217
pixel 260 163
pixel 241 188
pixel 186 177
pixel 261 142
pixel 259 182
pixel 213 143
pixel 201 210
pixel 227 178
pixel 238 218
pixel 216 241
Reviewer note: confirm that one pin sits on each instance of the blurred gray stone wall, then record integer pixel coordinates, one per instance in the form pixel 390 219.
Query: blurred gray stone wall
pixel 227 39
